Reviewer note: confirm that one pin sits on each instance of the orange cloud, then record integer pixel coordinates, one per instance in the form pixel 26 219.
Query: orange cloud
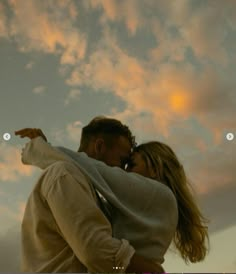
pixel 205 41
pixel 11 167
pixel 51 30
pixel 3 22
pixel 179 101
pixel 118 11
pixel 169 92
pixel 143 88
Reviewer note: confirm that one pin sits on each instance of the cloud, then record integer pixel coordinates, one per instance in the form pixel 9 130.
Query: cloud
pixel 13 215
pixel 212 169
pixel 70 133
pixel 74 131
pixel 10 164
pixel 219 206
pixel 29 65
pixel 52 29
pixel 58 135
pixel 73 95
pixel 3 22
pixel 145 86
pixel 2 193
pixel 55 24
pixel 10 250
pixel 219 260
pixel 57 32
pixel 167 20
pixel 119 11
pixel 207 43
pixel 7 212
pixel 39 90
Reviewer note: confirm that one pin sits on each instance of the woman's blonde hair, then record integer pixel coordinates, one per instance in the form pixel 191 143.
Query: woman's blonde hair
pixel 191 236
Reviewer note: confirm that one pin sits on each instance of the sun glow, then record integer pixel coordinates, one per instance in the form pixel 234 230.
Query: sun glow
pixel 178 101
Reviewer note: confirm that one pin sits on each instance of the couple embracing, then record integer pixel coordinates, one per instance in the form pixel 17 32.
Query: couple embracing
pixel 112 206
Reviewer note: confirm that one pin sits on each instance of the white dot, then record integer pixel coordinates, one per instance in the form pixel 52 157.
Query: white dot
pixel 229 136
pixel 6 136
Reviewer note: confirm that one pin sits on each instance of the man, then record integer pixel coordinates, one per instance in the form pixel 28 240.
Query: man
pixel 63 229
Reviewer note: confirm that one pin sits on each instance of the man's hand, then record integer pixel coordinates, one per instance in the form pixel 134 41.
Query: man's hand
pixel 30 133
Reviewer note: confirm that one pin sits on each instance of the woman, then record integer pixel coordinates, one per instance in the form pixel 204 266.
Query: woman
pixel 168 211
pixel 190 234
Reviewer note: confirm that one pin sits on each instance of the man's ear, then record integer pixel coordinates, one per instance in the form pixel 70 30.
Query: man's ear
pixel 99 146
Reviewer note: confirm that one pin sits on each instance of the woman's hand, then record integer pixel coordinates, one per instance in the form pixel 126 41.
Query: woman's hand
pixel 30 133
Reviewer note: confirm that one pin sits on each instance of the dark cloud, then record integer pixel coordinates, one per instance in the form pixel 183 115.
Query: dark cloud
pixel 219 207
pixel 10 250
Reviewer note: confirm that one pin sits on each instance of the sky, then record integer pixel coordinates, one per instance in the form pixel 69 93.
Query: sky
pixel 165 68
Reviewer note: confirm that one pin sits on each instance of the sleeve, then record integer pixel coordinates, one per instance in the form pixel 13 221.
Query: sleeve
pixel 83 225
pixel 39 153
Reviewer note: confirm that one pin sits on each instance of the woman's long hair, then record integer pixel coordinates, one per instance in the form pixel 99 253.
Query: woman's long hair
pixel 191 236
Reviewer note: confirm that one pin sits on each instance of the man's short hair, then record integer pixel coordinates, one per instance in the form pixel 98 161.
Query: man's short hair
pixel 107 128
